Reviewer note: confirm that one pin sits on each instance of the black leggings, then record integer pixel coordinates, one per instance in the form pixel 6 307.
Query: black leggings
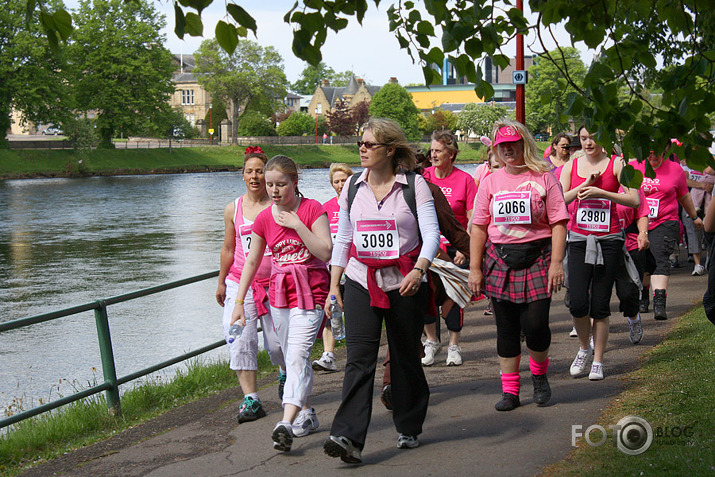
pixel 512 318
pixel 590 286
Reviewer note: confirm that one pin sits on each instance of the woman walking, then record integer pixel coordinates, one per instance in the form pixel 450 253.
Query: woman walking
pixel 517 249
pixel 460 190
pixel 238 219
pixel 338 175
pixel 297 234
pixel 378 246
pixel 595 245
pixel 663 193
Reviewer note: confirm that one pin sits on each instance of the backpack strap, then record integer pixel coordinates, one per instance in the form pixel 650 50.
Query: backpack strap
pixel 408 191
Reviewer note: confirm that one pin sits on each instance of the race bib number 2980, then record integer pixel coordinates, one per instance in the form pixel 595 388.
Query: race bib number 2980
pixel 377 238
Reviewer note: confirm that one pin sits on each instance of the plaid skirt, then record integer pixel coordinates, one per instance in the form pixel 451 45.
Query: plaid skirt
pixel 517 286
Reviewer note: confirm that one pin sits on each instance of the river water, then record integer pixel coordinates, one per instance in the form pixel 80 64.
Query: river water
pixel 66 242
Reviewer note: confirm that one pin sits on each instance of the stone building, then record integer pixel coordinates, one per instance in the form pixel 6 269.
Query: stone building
pixel 356 91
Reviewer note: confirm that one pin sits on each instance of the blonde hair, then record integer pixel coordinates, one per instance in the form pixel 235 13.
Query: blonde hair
pixel 339 167
pixel 532 157
pixel 287 166
pixel 390 133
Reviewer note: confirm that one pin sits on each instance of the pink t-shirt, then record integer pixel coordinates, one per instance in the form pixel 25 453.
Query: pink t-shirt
pixel 480 173
pixel 392 209
pixel 459 189
pixel 288 249
pixel 701 198
pixel 595 216
pixel 628 215
pixel 519 208
pixel 333 210
pixel 243 228
pixel 662 193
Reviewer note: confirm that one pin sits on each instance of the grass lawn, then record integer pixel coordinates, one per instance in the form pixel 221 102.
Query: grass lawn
pixel 46 163
pixel 673 390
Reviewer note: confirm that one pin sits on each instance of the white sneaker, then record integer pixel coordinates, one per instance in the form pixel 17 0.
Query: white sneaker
pixel 698 270
pixel 573 333
pixel 407 442
pixel 454 355
pixel 636 332
pixel 305 423
pixel 596 373
pixel 431 349
pixel 325 363
pixel 579 364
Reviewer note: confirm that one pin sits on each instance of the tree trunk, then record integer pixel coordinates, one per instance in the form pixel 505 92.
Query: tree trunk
pixel 234 121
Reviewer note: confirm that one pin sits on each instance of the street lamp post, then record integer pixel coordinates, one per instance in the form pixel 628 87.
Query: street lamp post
pixel 211 124
pixel 433 120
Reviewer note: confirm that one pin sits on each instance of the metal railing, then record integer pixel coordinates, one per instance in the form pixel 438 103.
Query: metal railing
pixel 111 382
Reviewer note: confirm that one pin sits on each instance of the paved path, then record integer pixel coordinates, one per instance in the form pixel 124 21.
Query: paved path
pixel 463 434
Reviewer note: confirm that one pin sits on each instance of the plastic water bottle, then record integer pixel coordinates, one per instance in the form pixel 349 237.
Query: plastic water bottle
pixel 336 319
pixel 234 332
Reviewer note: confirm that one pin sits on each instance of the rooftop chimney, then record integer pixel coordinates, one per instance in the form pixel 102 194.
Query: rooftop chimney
pixel 393 80
pixel 326 83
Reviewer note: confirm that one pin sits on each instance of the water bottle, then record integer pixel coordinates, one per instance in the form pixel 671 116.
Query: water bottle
pixel 336 319
pixel 234 332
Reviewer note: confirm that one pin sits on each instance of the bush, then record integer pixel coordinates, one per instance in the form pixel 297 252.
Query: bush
pixel 253 123
pixel 297 124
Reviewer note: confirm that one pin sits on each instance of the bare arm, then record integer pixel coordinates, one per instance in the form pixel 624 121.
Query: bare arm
pixel 558 248
pixel 317 238
pixel 687 202
pixel 642 224
pixel 710 217
pixel 476 253
pixel 227 252
pixel 253 261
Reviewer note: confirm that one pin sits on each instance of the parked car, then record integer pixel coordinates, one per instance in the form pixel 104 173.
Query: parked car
pixel 52 131
pixel 541 137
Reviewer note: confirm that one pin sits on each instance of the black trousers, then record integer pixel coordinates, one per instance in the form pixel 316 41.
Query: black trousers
pixel 410 393
pixel 590 286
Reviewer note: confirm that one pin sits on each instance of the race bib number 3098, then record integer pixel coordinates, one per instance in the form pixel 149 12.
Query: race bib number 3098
pixel 377 238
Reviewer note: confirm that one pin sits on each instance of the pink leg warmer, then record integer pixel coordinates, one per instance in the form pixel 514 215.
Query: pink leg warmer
pixel 538 368
pixel 510 383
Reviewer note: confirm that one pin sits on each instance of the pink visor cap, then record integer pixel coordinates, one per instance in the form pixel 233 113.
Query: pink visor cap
pixel 506 134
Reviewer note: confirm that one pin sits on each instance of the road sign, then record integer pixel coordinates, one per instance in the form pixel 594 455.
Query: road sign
pixel 519 77
pixel 211 131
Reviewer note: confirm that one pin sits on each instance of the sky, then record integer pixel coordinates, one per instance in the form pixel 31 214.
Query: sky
pixel 370 50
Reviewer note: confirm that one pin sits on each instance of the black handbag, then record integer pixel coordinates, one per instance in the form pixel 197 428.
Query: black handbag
pixel 522 255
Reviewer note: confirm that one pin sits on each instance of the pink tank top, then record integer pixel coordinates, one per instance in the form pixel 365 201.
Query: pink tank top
pixel 243 228
pixel 595 216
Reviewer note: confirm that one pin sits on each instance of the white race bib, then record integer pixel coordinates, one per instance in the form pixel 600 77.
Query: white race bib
pixel 244 231
pixel 512 208
pixel 594 215
pixel 377 238
pixel 696 176
pixel 653 205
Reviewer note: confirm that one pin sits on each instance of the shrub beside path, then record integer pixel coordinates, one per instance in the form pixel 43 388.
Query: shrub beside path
pixel 463 434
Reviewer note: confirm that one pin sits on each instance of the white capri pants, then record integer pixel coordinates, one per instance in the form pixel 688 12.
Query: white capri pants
pixel 297 330
pixel 243 352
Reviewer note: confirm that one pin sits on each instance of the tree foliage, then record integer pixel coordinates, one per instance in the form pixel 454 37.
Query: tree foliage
pixel 547 89
pixel 340 119
pixel 479 118
pixel 251 78
pixel 32 77
pixel 312 76
pixel 630 36
pixel 118 66
pixel 395 102
pixel 254 123
pixel 302 124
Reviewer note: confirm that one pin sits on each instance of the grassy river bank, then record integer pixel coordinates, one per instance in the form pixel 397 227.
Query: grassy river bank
pixel 25 164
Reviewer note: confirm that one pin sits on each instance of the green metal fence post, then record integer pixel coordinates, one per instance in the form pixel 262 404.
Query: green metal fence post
pixel 107 354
